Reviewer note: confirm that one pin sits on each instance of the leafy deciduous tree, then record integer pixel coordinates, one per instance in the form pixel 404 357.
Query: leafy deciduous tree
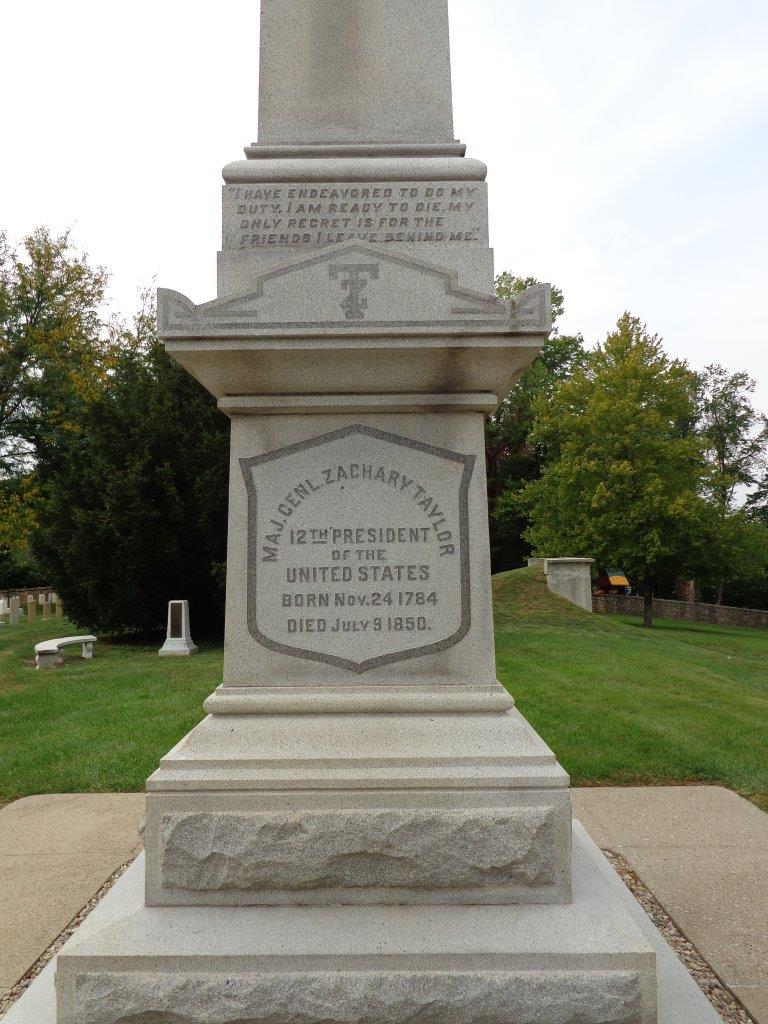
pixel 511 458
pixel 757 502
pixel 625 468
pixel 735 435
pixel 54 348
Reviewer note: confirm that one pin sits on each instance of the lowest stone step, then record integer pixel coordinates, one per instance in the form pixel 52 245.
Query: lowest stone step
pixel 581 963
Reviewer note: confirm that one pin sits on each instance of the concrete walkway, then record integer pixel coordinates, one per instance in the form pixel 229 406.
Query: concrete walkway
pixel 55 853
pixel 702 851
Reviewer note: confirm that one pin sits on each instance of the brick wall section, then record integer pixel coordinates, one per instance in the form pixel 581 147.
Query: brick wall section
pixel 686 611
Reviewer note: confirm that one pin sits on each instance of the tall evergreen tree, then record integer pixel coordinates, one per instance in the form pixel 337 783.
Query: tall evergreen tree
pixel 134 503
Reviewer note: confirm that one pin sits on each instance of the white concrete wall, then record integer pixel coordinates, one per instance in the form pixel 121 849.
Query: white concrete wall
pixel 571 579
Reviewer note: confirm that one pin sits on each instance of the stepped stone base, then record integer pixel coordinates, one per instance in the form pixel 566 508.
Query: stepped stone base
pixel 576 964
pixel 595 957
pixel 309 809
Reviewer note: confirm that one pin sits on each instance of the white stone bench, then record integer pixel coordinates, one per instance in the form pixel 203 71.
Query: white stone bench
pixel 48 653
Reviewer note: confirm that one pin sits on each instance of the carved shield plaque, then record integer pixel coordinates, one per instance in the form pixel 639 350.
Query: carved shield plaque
pixel 358 551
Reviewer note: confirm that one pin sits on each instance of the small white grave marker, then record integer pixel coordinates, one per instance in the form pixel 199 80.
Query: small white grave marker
pixel 15 611
pixel 178 640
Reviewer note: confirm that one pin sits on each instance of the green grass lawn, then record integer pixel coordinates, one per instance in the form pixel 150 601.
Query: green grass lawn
pixel 622 705
pixel 98 725
pixel 619 705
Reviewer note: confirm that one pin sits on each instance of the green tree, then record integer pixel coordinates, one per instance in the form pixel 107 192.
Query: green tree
pixel 757 502
pixel 746 574
pixel 511 458
pixel 55 349
pixel 55 354
pixel 735 435
pixel 18 501
pixel 625 469
pixel 134 502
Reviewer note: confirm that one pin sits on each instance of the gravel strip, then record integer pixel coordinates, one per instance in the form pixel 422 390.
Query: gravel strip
pixel 10 997
pixel 723 1000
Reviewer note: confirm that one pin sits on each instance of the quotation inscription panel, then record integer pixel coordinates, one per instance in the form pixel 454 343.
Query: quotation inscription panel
pixel 305 215
pixel 358 548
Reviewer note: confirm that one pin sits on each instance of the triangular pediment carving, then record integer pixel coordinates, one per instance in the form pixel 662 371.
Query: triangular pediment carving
pixel 351 288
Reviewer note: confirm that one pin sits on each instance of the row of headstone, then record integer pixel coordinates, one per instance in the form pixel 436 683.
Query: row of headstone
pixel 16 609
pixel 40 594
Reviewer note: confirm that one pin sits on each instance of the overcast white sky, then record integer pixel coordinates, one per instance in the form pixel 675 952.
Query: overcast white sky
pixel 627 145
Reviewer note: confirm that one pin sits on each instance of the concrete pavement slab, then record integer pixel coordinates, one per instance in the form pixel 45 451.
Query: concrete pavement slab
pixel 703 852
pixel 671 816
pixel 55 853
pixel 755 999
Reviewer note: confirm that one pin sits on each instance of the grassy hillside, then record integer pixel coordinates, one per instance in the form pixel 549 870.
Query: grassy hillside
pixel 618 704
pixel 623 705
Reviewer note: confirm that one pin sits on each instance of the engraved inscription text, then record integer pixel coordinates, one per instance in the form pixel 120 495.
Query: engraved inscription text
pixel 299 215
pixel 358 548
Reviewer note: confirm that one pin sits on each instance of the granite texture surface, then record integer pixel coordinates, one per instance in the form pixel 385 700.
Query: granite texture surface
pixel 364 997
pixel 355 71
pixel 357 849
pixel 356 504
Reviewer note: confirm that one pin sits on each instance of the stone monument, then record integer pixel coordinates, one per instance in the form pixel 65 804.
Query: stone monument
pixel 364 828
pixel 178 640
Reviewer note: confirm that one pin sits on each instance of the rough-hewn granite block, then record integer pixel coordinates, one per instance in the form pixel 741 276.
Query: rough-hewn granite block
pixel 411 848
pixel 361 997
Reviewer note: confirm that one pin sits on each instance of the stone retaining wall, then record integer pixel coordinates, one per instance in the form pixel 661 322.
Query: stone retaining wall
pixel 686 611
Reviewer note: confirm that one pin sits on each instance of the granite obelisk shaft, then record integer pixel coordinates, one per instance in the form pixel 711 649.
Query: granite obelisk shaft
pixel 355 71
